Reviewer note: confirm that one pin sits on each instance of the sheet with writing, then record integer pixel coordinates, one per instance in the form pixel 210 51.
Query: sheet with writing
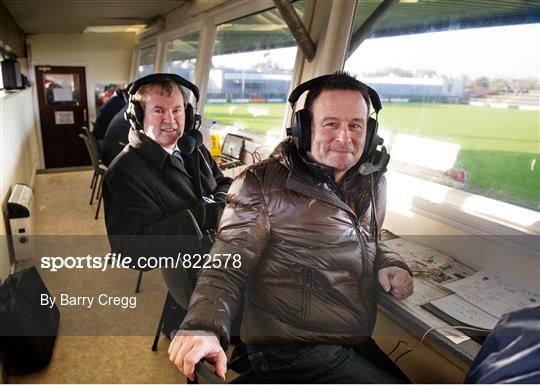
pixel 493 294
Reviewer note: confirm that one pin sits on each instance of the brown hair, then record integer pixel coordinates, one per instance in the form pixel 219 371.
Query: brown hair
pixel 165 86
pixel 339 80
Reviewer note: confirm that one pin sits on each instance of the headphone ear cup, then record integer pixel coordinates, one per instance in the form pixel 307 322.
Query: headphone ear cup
pixel 138 112
pixel 188 126
pixel 134 114
pixel 303 132
pixel 190 141
pixel 370 144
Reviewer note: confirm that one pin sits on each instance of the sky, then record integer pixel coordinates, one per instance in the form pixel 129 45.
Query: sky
pixel 507 52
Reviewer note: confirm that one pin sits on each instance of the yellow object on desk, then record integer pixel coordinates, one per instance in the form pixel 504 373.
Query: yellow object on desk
pixel 215 148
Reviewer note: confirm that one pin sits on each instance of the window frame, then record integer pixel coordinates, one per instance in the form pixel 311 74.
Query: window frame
pixel 171 37
pixel 445 209
pixel 232 16
pixel 153 41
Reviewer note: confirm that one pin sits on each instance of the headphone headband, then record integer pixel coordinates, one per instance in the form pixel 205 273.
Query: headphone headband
pixel 153 78
pixel 310 84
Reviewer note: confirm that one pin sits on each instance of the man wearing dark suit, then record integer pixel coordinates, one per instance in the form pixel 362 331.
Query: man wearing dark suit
pixel 117 102
pixel 115 138
pixel 154 193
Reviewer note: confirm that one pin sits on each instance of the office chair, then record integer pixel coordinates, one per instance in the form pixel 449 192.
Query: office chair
pixel 97 148
pixel 99 168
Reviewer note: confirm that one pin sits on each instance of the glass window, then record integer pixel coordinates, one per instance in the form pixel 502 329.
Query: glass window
pixel 62 89
pixel 181 55
pixel 251 73
pixel 147 61
pixel 461 93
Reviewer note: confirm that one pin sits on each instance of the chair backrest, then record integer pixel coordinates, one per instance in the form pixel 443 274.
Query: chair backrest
pixel 178 284
pixel 93 141
pixel 93 155
pixel 177 280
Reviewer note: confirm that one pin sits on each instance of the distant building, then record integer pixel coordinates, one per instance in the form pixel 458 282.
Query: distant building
pixel 229 85
pixel 226 85
pixel 417 89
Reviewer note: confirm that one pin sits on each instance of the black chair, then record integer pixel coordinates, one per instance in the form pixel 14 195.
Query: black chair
pixel 99 168
pixel 97 148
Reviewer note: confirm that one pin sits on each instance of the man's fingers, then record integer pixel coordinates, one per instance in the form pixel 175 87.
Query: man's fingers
pixel 221 365
pixel 399 279
pixel 174 346
pixel 410 289
pixel 384 280
pixel 193 356
pixel 405 290
pixel 180 362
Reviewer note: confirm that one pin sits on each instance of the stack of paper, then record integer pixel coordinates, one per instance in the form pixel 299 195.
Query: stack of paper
pixel 481 299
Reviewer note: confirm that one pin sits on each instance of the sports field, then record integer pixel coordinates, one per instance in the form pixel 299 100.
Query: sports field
pixel 500 148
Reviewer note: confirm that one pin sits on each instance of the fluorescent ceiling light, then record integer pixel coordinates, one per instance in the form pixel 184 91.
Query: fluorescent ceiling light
pixel 115 28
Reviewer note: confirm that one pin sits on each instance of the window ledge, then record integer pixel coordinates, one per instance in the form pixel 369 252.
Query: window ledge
pixel 503 223
pixel 4 94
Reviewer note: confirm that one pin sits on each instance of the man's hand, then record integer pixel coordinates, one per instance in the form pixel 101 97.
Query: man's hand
pixel 190 346
pixel 207 214
pixel 397 280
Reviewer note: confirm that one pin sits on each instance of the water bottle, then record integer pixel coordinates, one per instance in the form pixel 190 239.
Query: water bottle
pixel 215 148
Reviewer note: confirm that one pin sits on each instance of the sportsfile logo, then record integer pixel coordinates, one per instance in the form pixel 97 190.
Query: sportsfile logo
pixel 116 261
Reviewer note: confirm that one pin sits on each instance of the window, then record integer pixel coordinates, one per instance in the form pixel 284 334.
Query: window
pixel 461 93
pixel 251 73
pixel 181 55
pixel 147 60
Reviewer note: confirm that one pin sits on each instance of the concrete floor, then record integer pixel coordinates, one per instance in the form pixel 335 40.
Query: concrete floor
pixel 101 344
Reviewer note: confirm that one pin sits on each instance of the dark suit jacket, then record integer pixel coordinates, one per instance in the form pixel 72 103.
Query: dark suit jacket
pixel 149 198
pixel 108 111
pixel 115 138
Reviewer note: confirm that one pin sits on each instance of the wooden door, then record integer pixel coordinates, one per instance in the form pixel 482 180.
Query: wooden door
pixel 63 110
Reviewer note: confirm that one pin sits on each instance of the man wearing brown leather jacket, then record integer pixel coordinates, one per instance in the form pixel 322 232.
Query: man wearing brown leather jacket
pixel 305 269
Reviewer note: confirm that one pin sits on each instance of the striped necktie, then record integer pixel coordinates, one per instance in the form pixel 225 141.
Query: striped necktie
pixel 178 155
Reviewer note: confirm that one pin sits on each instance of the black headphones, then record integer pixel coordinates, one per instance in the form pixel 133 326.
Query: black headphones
pixel 192 137
pixel 301 130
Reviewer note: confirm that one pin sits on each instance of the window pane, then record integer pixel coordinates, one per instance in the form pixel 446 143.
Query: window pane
pixel 147 60
pixel 181 55
pixel 251 73
pixel 62 89
pixel 460 104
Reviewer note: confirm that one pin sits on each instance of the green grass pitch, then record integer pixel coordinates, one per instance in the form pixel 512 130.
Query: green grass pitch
pixel 499 147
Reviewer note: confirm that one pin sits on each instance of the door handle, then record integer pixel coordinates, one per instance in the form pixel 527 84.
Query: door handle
pixel 84 112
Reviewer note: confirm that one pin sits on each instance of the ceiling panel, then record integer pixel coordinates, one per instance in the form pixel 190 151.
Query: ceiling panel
pixel 49 16
pixel 438 15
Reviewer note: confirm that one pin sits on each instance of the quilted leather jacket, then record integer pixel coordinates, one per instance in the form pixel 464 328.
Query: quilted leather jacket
pixel 308 269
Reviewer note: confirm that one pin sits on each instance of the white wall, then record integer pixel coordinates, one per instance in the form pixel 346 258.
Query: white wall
pixel 19 155
pixel 106 56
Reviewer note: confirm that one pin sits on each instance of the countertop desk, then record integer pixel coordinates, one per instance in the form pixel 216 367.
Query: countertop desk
pixel 408 314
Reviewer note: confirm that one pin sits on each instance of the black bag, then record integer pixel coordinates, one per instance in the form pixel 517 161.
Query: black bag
pixel 27 329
